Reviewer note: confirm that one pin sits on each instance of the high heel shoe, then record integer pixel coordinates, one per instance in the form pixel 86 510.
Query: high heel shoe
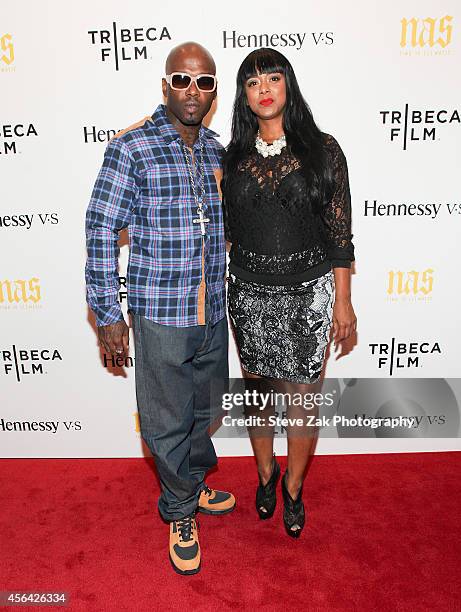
pixel 293 511
pixel 266 499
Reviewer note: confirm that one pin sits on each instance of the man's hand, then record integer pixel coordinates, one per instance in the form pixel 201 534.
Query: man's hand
pixel 115 338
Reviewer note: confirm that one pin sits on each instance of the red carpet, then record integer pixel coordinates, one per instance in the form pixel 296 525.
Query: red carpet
pixel 383 535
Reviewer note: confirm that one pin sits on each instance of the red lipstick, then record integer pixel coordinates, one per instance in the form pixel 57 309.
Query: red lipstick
pixel 266 102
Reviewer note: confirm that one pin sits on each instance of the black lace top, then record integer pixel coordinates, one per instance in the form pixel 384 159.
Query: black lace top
pixel 277 238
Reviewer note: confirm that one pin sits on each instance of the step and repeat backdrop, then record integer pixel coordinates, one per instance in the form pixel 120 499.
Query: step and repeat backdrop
pixel 382 78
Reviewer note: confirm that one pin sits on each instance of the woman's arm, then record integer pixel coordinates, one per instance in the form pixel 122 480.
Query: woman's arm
pixel 344 319
pixel 337 223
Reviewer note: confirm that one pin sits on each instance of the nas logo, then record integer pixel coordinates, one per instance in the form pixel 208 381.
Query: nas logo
pixel 412 285
pixel 137 423
pixel 418 34
pixel 6 53
pixel 15 293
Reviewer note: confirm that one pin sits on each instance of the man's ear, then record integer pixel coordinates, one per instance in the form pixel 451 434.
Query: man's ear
pixel 164 88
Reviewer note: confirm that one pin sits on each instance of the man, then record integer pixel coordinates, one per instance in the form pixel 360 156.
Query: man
pixel 160 179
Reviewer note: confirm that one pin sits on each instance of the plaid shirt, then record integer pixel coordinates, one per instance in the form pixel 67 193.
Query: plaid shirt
pixel 144 185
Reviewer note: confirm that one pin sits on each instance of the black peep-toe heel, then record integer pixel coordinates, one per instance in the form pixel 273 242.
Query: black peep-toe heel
pixel 293 511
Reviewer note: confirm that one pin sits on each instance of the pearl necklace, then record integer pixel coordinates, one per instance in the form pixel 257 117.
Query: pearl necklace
pixel 270 149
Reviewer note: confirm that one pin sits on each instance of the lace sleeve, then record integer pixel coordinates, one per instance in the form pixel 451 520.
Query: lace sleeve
pixel 336 215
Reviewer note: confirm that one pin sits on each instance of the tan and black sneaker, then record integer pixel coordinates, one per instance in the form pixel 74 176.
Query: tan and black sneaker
pixel 184 546
pixel 215 502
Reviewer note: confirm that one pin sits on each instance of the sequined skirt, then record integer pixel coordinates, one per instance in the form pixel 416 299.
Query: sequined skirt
pixel 282 331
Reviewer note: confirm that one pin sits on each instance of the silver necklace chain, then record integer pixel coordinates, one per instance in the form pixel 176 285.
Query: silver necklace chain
pixel 198 200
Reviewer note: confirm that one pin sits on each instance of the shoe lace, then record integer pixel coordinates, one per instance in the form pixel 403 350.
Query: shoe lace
pixel 185 526
pixel 207 490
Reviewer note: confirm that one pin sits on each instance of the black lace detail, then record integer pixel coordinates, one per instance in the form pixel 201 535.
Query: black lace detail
pixel 269 174
pixel 282 331
pixel 336 216
pixel 278 264
pixel 274 228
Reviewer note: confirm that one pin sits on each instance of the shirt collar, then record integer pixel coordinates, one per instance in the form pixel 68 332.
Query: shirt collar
pixel 168 132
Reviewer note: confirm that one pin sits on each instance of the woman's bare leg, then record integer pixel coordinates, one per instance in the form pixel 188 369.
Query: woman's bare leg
pixel 262 437
pixel 301 438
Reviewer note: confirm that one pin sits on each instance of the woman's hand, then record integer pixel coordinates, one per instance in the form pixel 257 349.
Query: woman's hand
pixel 344 319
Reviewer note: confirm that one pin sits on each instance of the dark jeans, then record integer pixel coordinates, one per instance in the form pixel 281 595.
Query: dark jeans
pixel 175 367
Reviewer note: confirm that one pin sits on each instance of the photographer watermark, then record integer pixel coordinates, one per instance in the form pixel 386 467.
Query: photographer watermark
pixel 261 400
pixel 312 421
pixel 342 408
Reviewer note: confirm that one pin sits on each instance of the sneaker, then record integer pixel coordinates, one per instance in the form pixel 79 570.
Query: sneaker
pixel 215 502
pixel 184 546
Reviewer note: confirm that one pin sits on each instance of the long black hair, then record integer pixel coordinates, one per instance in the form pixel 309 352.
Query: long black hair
pixel 304 138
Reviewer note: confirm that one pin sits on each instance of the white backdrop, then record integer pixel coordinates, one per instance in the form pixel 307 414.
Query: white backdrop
pixel 382 78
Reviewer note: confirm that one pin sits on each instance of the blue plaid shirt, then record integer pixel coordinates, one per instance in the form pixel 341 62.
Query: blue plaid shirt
pixel 144 185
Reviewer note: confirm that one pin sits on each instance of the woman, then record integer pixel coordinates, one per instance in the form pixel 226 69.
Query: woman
pixel 288 217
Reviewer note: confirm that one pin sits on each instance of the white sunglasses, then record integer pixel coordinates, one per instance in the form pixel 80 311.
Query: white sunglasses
pixel 181 81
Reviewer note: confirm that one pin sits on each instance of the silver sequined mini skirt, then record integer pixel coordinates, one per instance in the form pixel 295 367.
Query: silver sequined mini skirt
pixel 282 331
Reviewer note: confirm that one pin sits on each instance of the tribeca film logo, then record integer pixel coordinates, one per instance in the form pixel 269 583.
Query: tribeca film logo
pixel 6 53
pixel 20 293
pixel 20 362
pixel 409 126
pixel 25 221
pixel 413 285
pixel 123 292
pixel 427 210
pixel 402 355
pixel 296 40
pixel 126 44
pixel 9 134
pixel 426 36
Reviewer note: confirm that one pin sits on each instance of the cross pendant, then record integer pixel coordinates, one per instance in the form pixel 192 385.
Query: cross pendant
pixel 202 220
